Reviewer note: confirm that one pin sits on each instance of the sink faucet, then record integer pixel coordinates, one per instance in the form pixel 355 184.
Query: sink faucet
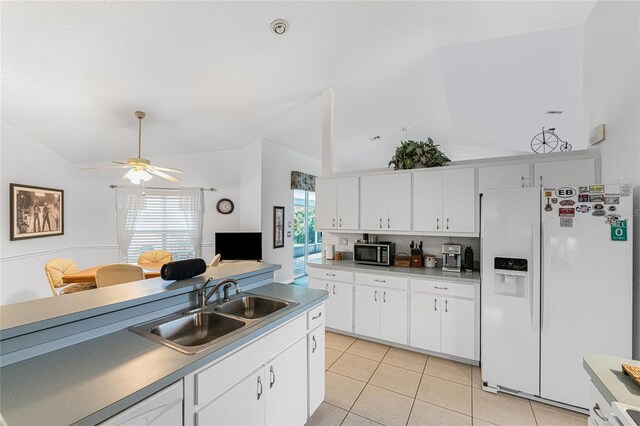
pixel 203 296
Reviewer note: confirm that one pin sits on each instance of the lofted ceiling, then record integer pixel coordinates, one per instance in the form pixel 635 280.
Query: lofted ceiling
pixel 211 76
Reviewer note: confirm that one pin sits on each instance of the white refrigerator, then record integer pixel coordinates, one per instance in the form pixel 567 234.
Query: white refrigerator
pixel 556 285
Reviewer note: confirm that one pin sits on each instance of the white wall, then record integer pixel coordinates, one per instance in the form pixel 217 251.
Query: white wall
pixel 498 90
pixel 277 164
pixel 95 225
pixel 611 38
pixel 26 161
pixel 251 182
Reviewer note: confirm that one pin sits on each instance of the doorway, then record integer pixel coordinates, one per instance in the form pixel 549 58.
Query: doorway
pixel 307 242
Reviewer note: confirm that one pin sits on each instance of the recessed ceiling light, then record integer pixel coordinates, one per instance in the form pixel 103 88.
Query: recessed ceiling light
pixel 279 26
pixel 553 112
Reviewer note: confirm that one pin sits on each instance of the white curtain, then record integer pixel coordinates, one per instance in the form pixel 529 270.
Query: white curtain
pixel 192 205
pixel 129 203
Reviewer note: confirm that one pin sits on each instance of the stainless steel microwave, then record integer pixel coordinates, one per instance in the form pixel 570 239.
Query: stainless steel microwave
pixel 382 253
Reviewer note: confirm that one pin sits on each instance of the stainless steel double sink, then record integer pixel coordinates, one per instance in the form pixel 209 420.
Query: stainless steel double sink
pixel 198 329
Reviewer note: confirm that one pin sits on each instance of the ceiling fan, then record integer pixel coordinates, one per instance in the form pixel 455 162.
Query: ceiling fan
pixel 141 169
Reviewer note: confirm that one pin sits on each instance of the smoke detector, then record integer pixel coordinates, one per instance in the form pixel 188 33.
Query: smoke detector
pixel 279 26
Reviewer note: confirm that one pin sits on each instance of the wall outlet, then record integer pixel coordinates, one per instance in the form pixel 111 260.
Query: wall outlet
pixel 597 134
pixel 343 241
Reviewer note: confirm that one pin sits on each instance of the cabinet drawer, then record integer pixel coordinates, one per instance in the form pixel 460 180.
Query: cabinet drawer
pixel 444 288
pixel 315 317
pixel 331 274
pixel 213 380
pixel 398 283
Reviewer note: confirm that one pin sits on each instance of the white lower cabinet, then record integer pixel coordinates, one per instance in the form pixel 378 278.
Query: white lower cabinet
pixel 315 354
pixel 443 324
pixel 275 380
pixel 244 404
pixel 286 390
pixel 381 313
pixel 339 307
pixel 163 408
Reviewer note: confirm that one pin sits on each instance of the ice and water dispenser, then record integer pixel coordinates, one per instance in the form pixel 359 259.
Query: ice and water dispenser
pixel 511 276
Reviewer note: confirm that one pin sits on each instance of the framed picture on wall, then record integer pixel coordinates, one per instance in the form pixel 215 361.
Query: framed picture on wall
pixel 35 212
pixel 278 226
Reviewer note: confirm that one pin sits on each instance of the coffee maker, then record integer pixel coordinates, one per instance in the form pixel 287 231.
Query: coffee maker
pixel 452 257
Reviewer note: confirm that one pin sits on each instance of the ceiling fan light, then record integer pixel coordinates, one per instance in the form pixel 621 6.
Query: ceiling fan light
pixel 136 176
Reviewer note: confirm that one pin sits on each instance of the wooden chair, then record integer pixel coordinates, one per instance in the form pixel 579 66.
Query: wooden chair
pixel 118 274
pixel 155 258
pixel 57 268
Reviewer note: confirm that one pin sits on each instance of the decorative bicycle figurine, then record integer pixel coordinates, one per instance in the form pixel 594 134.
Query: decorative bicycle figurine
pixel 547 141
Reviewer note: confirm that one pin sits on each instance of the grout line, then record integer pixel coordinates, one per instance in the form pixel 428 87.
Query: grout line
pixel 535 419
pixel 415 397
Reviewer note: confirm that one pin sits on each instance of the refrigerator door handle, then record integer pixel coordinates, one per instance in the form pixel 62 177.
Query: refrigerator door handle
pixel 533 276
pixel 546 250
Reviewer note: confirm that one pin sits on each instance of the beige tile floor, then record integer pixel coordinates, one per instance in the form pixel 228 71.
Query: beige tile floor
pixel 370 384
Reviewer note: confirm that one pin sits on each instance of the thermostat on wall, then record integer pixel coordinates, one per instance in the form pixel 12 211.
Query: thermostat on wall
pixel 597 134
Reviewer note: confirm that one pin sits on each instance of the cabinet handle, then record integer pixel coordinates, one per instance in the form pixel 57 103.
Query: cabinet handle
pixel 388 223
pixel 380 223
pixel 334 289
pixel 540 180
pixel 375 295
pixel 340 222
pixel 384 297
pixel 522 181
pixel 317 316
pixel 447 223
pixel 330 275
pixel 334 222
pixel 435 305
pixel 440 288
pixel 446 306
pixel 380 281
pixel 315 345
pixel 598 412
pixel 326 286
pixel 272 377
pixel 438 223
pixel 259 387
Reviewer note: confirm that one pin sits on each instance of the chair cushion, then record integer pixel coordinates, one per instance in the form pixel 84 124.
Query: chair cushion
pixel 155 256
pixel 57 268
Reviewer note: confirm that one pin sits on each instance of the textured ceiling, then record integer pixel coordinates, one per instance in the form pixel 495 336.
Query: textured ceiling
pixel 211 76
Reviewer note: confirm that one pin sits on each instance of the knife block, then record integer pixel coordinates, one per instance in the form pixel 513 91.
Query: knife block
pixel 417 261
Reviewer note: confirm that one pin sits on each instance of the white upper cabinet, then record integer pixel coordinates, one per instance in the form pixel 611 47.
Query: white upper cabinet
pixel 444 201
pixel 563 173
pixel 514 176
pixel 326 203
pixel 386 202
pixel 337 203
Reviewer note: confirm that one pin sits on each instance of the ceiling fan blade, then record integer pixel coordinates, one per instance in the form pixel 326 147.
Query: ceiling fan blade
pixel 106 167
pixel 153 171
pixel 166 169
pixel 119 162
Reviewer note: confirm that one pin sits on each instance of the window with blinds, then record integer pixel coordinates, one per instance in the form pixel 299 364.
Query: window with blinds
pixel 161 225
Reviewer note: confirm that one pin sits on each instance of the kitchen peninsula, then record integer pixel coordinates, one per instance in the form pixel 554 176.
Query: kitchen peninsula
pixel 57 351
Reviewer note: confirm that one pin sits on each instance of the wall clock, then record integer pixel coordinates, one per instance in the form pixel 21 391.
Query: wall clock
pixel 224 206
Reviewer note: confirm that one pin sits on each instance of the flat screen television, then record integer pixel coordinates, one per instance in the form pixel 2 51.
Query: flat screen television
pixel 239 245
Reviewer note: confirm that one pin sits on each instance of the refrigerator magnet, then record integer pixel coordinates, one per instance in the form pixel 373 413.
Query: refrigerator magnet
pixel 619 231
pixel 583 198
pixel 567 203
pixel 583 189
pixel 598 207
pixel 583 208
pixel 611 208
pixel 597 198
pixel 566 212
pixel 554 201
pixel 566 222
pixel 612 200
pixel 596 189
pixel 598 213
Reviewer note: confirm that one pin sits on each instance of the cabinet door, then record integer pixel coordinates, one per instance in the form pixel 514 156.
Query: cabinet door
pixel 371 202
pixel 340 306
pixel 348 202
pixel 244 404
pixel 458 328
pixel 286 387
pixel 326 203
pixel 563 173
pixel 425 322
pixel 514 176
pixel 397 202
pixel 315 352
pixel 459 200
pixel 393 316
pixel 164 408
pixel 367 314
pixel 427 201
